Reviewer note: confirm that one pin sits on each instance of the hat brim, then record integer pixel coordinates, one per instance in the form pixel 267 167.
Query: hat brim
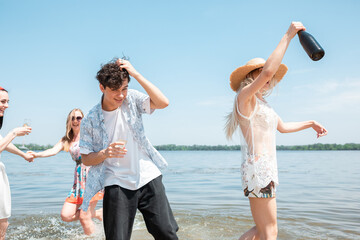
pixel 239 74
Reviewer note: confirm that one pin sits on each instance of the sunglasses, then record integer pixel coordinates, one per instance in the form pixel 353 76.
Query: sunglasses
pixel 77 118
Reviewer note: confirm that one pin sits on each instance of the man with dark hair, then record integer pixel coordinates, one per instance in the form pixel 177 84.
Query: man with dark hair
pixel 113 142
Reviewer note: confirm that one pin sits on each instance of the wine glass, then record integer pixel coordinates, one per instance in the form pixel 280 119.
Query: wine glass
pixel 27 123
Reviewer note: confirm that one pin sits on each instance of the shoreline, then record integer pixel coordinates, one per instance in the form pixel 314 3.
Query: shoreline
pixel 195 147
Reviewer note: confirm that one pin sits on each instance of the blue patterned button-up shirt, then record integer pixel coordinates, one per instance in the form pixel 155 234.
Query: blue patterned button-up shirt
pixel 93 138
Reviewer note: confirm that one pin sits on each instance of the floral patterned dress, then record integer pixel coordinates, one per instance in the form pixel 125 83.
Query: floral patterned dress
pixel 76 193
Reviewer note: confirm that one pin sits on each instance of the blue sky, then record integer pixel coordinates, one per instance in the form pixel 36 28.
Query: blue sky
pixel 50 52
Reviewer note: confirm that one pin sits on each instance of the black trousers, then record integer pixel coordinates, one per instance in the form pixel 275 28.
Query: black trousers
pixel 120 205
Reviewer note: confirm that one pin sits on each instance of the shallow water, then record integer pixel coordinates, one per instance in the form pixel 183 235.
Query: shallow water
pixel 318 196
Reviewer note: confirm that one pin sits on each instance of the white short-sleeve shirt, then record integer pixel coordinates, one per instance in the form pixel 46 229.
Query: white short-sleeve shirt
pixel 136 169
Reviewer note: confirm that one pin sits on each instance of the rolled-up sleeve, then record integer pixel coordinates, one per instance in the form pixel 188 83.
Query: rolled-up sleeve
pixel 143 102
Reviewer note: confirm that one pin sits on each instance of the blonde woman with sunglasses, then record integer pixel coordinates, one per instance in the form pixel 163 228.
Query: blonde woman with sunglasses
pixel 70 143
pixel 258 123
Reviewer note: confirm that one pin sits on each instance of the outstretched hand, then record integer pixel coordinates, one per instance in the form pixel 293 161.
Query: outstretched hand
pixel 320 130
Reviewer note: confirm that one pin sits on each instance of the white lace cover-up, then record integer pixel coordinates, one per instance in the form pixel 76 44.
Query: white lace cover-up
pixel 258 147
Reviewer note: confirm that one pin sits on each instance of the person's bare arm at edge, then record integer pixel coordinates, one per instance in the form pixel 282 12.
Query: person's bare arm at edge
pixel 157 98
pixel 13 149
pixel 290 127
pixel 272 64
pixel 95 158
pixel 49 152
pixel 20 131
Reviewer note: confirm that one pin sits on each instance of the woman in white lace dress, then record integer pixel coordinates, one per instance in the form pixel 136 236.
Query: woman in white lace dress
pixel 258 123
pixel 5 144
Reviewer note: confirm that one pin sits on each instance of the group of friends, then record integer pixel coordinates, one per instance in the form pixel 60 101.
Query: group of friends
pixel 117 163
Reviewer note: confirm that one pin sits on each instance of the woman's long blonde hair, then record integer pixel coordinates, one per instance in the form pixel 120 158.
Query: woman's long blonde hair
pixel 69 134
pixel 232 119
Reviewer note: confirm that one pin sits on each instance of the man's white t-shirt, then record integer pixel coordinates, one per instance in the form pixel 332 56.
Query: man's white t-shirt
pixel 136 169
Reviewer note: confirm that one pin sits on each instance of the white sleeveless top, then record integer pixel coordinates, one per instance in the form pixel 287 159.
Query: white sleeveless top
pixel 258 147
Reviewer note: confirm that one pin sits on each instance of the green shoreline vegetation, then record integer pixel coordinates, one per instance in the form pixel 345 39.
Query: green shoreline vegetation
pixel 174 147
pixel 33 147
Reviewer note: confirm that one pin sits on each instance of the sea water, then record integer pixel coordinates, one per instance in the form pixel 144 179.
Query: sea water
pixel 318 196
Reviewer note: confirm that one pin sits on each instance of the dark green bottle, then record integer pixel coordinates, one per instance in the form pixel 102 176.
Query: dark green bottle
pixel 311 46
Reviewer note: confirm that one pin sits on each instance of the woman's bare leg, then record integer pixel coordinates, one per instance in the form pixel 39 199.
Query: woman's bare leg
pixel 96 213
pixel 70 212
pixel 85 218
pixel 264 214
pixel 252 234
pixel 3 226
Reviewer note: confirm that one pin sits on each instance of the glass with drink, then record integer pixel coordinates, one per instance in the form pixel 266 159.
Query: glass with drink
pixel 121 143
pixel 27 123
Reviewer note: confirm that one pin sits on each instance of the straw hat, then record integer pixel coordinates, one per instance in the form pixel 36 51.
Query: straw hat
pixel 240 73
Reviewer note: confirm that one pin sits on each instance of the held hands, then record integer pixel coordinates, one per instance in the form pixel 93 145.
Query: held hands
pixel 294 28
pixel 115 150
pixel 125 64
pixel 34 154
pixel 29 157
pixel 321 131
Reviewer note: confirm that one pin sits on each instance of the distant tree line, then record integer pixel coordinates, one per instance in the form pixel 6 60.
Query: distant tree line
pixel 33 147
pixel 173 147
pixel 317 146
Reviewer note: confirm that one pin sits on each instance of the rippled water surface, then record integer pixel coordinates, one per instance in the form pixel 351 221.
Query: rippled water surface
pixel 318 196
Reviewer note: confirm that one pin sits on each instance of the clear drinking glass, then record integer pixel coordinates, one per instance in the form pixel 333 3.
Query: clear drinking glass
pixel 27 123
pixel 122 143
